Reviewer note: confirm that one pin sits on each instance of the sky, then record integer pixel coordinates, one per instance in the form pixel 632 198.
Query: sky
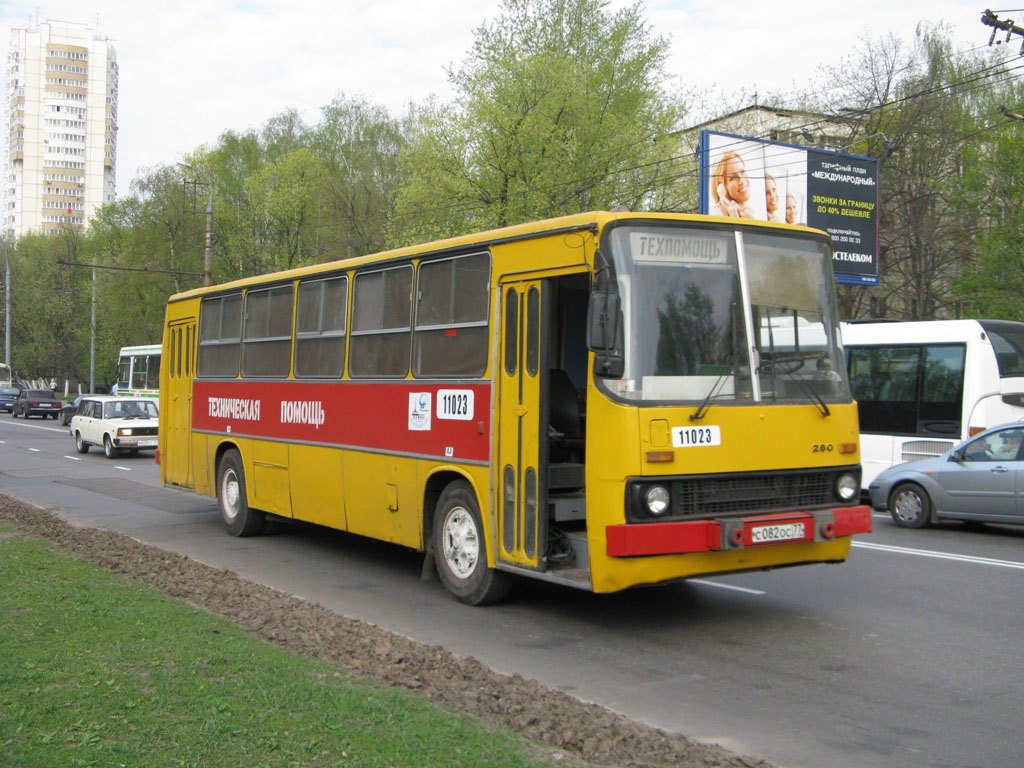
pixel 191 70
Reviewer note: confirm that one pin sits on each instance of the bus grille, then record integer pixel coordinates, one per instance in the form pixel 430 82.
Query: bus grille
pixel 740 494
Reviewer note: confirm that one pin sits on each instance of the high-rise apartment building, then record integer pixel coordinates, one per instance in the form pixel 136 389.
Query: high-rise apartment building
pixel 61 148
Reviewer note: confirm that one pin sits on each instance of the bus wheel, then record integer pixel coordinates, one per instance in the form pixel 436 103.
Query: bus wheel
pixel 459 549
pixel 910 506
pixel 238 518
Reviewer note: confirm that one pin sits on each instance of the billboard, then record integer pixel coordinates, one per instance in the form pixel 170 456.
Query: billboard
pixel 766 180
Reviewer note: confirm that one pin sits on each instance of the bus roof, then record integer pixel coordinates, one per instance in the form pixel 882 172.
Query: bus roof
pixel 142 349
pixel 916 331
pixel 592 220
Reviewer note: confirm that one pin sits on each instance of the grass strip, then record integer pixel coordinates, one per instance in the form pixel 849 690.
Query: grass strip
pixel 99 670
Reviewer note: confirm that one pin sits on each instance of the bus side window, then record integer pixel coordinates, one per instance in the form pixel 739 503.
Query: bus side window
pixel 450 337
pixel 220 331
pixel 381 315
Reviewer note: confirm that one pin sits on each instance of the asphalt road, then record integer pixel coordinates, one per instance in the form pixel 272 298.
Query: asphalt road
pixel 907 655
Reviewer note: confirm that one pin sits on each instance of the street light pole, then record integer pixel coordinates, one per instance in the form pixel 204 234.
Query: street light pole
pixel 5 243
pixel 208 247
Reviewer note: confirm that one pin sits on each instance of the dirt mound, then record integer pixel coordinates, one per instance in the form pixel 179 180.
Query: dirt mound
pixel 578 730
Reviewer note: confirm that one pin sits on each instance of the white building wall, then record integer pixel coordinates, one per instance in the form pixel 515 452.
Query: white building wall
pixel 60 158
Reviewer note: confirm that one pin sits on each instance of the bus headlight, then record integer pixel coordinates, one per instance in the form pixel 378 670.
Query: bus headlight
pixel 657 499
pixel 846 486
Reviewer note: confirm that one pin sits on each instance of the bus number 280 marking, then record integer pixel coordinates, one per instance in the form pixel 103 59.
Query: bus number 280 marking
pixel 696 437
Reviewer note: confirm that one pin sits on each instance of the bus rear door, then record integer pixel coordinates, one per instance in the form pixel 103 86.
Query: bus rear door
pixel 178 402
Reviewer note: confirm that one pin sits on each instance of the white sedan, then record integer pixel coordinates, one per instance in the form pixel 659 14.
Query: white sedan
pixel 116 423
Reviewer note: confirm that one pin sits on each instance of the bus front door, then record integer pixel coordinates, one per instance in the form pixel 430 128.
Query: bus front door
pixel 520 520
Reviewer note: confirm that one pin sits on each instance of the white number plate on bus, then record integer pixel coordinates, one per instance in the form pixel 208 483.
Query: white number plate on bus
pixel 455 404
pixel 696 437
pixel 764 534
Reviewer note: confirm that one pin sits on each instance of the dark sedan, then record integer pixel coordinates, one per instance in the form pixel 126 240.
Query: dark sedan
pixel 7 397
pixel 69 409
pixel 36 402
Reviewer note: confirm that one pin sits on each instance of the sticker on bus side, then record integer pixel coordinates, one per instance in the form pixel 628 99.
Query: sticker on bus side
pixel 455 404
pixel 696 437
pixel 419 411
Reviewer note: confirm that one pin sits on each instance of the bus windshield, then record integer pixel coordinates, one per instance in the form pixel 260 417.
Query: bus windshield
pixel 703 307
pixel 1008 343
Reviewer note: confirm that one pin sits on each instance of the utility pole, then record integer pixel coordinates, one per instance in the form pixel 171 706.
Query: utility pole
pixel 92 336
pixel 7 299
pixel 989 19
pixel 208 247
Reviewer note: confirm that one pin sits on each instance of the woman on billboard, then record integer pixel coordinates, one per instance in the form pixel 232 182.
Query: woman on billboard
pixel 730 188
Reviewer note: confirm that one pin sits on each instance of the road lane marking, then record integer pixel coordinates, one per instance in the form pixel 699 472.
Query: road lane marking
pixel 726 586
pixel 36 450
pixel 126 469
pixel 73 458
pixel 37 426
pixel 941 555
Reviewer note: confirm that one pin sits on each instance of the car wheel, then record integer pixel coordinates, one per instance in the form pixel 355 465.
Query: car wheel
pixel 108 448
pixel 80 445
pixel 238 517
pixel 460 551
pixel 14 414
pixel 910 506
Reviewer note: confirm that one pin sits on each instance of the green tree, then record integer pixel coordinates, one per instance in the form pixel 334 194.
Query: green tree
pixel 916 108
pixel 562 106
pixel 49 298
pixel 992 200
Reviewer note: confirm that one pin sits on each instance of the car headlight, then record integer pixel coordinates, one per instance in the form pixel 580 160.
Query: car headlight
pixel 846 486
pixel 124 432
pixel 657 499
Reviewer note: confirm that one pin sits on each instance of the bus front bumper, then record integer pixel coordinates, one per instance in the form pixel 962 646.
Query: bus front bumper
pixel 731 533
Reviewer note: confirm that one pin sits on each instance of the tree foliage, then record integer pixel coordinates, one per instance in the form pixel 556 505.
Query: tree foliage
pixel 562 107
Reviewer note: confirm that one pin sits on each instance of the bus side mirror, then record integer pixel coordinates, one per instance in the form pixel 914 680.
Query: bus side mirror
pixel 603 315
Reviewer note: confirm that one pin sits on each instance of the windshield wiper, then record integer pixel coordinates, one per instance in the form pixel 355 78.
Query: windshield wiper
pixel 701 412
pixel 809 391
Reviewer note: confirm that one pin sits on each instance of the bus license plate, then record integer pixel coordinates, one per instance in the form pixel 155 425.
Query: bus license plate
pixel 765 534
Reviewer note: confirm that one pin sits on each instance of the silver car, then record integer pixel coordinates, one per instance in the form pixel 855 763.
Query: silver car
pixel 982 480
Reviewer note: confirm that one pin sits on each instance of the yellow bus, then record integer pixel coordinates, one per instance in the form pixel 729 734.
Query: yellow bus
pixel 602 400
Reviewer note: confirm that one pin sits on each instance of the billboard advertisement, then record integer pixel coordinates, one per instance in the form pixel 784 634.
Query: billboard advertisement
pixel 766 180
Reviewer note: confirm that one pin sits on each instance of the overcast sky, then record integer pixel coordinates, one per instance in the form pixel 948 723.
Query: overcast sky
pixel 190 70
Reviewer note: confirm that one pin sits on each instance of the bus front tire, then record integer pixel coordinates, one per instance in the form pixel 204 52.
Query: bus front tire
pixel 460 552
pixel 910 506
pixel 238 517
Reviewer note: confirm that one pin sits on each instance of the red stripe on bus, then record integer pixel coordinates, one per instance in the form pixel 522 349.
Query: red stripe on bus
pixel 390 417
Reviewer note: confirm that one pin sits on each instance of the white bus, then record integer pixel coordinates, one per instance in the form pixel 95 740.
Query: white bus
pixel 922 387
pixel 5 375
pixel 138 371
